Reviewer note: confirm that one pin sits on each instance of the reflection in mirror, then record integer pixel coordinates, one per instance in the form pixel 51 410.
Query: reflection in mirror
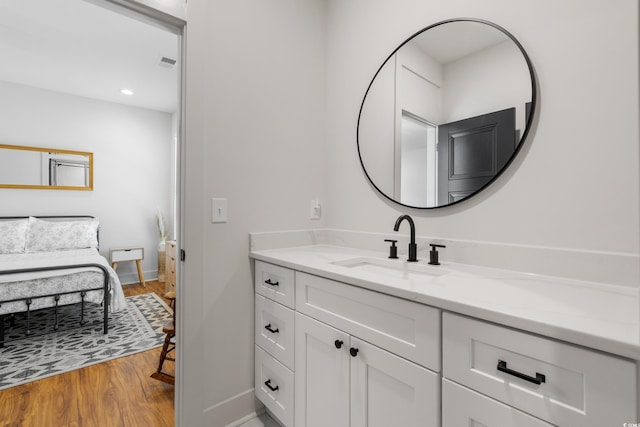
pixel 45 168
pixel 446 113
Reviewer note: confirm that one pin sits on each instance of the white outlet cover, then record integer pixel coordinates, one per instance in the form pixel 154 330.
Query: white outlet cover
pixel 315 211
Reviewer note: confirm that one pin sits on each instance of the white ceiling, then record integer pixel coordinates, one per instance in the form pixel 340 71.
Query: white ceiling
pixel 450 42
pixel 77 47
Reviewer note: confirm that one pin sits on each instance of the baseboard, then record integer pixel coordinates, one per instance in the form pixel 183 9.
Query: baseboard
pixel 132 278
pixel 233 411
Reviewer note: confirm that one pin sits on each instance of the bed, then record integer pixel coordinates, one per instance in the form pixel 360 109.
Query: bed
pixel 49 262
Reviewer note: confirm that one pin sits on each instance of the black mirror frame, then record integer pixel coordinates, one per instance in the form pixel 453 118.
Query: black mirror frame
pixel 529 119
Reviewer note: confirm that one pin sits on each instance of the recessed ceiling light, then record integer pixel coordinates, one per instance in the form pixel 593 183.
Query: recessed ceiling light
pixel 126 92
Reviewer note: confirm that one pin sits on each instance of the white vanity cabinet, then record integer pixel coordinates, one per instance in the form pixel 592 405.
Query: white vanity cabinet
pixel 357 358
pixel 344 381
pixel 364 359
pixel 329 353
pixel 562 384
pixel 274 335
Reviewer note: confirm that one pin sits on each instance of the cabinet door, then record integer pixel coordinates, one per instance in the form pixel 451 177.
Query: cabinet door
pixel 387 390
pixel 322 374
pixel 464 407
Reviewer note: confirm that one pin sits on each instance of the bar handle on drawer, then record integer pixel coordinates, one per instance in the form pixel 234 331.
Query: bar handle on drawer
pixel 270 329
pixel 268 384
pixel 269 282
pixel 538 379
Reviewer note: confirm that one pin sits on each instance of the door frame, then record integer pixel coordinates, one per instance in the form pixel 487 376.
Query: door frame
pixel 138 10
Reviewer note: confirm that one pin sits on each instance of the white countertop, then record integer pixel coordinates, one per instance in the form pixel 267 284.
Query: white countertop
pixel 603 317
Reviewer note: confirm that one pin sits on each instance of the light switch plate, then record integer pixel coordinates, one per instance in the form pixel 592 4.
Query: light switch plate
pixel 219 210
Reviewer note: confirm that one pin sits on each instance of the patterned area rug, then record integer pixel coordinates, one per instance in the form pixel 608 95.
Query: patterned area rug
pixel 136 328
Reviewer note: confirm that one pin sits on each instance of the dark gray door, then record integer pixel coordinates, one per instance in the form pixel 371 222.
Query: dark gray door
pixel 472 151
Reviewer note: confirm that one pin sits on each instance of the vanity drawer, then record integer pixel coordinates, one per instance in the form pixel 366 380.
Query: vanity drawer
pixel 274 329
pixel 275 282
pixel 464 407
pixel 576 386
pixel 274 386
pixel 405 328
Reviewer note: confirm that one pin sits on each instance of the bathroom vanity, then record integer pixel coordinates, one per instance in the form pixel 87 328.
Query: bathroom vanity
pixel 348 337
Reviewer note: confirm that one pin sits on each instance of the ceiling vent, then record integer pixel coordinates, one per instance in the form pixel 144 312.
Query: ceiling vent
pixel 167 62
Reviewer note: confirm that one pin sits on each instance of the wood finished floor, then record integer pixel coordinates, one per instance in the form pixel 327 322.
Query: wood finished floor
pixel 117 393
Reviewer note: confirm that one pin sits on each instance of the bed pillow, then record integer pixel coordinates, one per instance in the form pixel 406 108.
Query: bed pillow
pixel 49 236
pixel 13 235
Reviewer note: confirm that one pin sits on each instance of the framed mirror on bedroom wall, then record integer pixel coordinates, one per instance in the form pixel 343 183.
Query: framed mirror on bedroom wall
pixel 446 113
pixel 25 167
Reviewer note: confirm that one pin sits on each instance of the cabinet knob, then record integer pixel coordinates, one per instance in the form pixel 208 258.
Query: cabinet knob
pixel 338 343
pixel 353 351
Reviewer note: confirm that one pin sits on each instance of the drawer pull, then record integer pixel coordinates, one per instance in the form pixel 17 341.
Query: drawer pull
pixel 538 379
pixel 338 343
pixel 353 351
pixel 268 384
pixel 269 282
pixel 270 329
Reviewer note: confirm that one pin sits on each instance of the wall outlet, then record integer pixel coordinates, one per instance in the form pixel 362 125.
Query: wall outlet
pixel 218 210
pixel 316 209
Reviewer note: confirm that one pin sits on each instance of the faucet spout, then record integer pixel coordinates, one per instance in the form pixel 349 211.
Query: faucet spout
pixel 413 248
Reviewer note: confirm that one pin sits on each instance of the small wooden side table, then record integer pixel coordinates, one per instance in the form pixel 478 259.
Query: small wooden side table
pixel 128 254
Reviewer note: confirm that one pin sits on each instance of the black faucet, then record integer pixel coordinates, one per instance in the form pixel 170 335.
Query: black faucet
pixel 413 248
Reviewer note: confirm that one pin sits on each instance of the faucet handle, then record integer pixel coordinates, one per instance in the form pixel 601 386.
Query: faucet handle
pixel 393 249
pixel 433 253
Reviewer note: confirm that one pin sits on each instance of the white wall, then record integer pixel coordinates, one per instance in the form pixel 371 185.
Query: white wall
pixel 132 162
pixel 255 135
pixel 575 186
pixel 490 80
pixel 377 124
pixel 273 97
pixel 419 83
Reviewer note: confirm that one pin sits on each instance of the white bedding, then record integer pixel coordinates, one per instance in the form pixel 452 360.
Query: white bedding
pixel 13 286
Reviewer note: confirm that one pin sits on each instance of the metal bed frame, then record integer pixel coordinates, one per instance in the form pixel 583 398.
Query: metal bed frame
pixel 56 296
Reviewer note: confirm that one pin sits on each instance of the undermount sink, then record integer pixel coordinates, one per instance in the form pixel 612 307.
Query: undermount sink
pixel 393 268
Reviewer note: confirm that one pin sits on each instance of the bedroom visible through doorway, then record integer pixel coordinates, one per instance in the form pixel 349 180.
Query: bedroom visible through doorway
pixel 95 76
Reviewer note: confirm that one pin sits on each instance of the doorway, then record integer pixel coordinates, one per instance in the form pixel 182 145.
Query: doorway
pixel 418 161
pixel 73 65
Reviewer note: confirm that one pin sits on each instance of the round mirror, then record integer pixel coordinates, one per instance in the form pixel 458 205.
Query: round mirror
pixel 446 113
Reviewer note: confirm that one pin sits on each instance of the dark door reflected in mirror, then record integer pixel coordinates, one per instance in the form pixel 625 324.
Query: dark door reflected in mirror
pixel 446 113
